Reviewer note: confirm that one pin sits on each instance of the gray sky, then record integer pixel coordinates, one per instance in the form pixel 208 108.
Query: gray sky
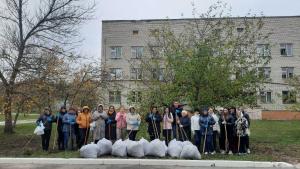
pixel 158 9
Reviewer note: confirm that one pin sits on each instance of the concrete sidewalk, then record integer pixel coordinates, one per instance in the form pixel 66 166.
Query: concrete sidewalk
pixel 148 162
pixel 20 122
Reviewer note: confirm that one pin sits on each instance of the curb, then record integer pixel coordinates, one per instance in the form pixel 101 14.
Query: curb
pixel 147 162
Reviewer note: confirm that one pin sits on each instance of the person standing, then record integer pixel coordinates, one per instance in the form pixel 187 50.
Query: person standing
pixel 59 120
pixel 153 119
pixel 133 120
pixel 47 119
pixel 176 110
pixel 241 131
pixel 83 120
pixel 216 127
pixel 226 123
pixel 121 123
pixel 99 116
pixel 246 115
pixel 195 127
pixel 110 124
pixel 184 123
pixel 167 125
pixel 69 121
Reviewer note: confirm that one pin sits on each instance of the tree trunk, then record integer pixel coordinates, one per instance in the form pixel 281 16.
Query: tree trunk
pixel 8 128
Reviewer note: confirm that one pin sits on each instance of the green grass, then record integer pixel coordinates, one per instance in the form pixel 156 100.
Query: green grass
pixel 269 141
pixel 21 117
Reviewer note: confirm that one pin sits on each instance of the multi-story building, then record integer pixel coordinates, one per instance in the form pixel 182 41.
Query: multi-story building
pixel 125 41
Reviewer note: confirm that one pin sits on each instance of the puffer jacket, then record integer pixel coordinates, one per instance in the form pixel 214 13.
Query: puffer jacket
pixel 83 120
pixel 206 123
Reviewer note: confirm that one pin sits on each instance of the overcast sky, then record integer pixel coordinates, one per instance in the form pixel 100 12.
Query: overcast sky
pixel 161 9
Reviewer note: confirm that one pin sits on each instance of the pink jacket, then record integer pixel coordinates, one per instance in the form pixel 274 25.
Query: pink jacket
pixel 121 120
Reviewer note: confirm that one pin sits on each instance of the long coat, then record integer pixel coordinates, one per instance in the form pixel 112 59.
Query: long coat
pixel 111 127
pixel 99 119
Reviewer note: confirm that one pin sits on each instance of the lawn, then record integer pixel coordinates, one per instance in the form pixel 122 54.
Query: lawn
pixel 270 141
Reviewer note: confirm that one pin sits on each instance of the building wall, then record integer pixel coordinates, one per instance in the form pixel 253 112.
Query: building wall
pixel 119 33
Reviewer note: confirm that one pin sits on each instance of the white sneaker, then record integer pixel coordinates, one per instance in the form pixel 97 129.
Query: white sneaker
pixel 248 151
pixel 222 152
pixel 206 153
pixel 213 153
pixel 230 152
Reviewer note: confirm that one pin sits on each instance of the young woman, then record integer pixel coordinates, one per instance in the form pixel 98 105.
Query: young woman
pixel 47 119
pixel 206 122
pixel 167 125
pixel 69 121
pixel 110 124
pixel 121 123
pixel 216 127
pixel 83 120
pixel 195 127
pixel 153 119
pixel 59 118
pixel 226 123
pixel 241 126
pixel 184 123
pixel 176 110
pixel 133 121
pixel 99 116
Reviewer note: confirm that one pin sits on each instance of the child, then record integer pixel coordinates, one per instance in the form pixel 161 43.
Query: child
pixel 83 120
pixel 133 121
pixel 69 121
pixel 216 127
pixel 226 123
pixel 110 127
pixel 195 127
pixel 241 125
pixel 99 116
pixel 167 125
pixel 153 119
pixel 59 118
pixel 206 122
pixel 121 123
pixel 184 123
pixel 47 119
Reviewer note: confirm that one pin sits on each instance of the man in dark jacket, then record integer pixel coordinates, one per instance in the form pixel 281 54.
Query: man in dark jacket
pixel 153 119
pixel 47 119
pixel 176 110
pixel 59 120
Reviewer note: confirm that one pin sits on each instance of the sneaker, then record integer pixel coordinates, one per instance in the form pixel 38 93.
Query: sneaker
pixel 213 153
pixel 230 152
pixel 206 153
pixel 248 151
pixel 222 152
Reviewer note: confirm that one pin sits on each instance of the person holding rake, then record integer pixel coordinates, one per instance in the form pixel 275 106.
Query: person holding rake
pixel 206 122
pixel 241 126
pixel 110 124
pixel 153 119
pixel 83 120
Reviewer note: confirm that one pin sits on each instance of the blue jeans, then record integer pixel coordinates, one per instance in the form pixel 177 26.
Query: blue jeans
pixel 209 146
pixel 174 130
pixel 197 138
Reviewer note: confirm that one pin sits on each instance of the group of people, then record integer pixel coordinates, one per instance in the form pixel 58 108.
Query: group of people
pixel 227 126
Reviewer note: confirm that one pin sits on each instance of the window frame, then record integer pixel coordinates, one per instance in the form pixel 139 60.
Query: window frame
pixel 285 47
pixel 116 52
pixel 114 97
pixel 135 52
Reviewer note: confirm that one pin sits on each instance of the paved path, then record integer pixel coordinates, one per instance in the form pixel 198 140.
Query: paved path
pixel 21 122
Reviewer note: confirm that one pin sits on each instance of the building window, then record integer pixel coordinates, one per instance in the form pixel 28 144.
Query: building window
pixel 156 51
pixel 239 30
pixel 116 74
pixel 265 72
pixel 158 74
pixel 263 50
pixel 135 96
pixel 154 32
pixel 116 52
pixel 286 49
pixel 137 52
pixel 288 97
pixel 265 97
pixel 115 97
pixel 135 32
pixel 136 74
pixel 287 72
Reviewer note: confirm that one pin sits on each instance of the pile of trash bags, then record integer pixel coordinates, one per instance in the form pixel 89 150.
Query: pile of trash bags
pixel 141 148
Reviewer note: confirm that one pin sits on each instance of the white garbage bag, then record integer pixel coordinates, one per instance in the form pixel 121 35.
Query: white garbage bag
pixel 39 130
pixel 175 148
pixel 89 151
pixel 157 148
pixel 146 146
pixel 190 152
pixel 187 143
pixel 119 149
pixel 135 149
pixel 105 147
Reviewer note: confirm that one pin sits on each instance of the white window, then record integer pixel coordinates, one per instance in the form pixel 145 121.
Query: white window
pixel 265 72
pixel 116 52
pixel 286 49
pixel 115 97
pixel 265 97
pixel 137 52
pixel 158 74
pixel 288 97
pixel 136 74
pixel 263 50
pixel 116 74
pixel 287 72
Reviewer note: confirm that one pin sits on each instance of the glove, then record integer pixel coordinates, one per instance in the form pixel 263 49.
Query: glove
pixel 224 122
pixel 205 126
pixel 180 125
